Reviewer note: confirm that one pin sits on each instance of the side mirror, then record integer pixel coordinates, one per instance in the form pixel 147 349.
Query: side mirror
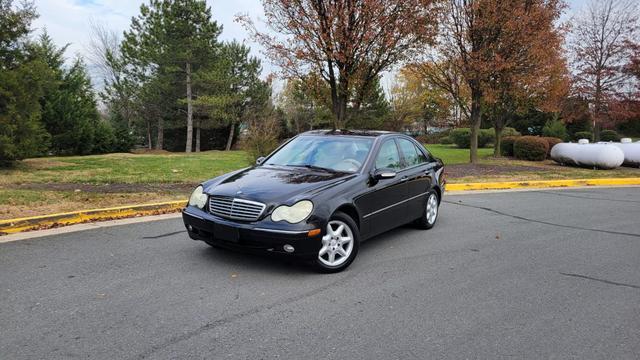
pixel 259 160
pixel 382 174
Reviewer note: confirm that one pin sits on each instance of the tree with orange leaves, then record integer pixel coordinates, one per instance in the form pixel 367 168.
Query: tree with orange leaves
pixel 495 55
pixel 529 68
pixel 348 42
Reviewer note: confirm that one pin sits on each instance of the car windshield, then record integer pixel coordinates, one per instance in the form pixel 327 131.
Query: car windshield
pixel 339 154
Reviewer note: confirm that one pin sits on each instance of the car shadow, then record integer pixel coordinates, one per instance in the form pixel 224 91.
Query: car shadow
pixel 282 264
pixel 254 262
pixel 392 237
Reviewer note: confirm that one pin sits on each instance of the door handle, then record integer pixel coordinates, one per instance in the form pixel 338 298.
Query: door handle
pixel 404 178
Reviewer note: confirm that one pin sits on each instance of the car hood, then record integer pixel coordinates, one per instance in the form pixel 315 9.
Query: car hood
pixel 271 185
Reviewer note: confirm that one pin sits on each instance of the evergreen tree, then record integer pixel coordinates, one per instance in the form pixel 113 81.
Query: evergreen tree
pixel 171 41
pixel 69 109
pixel 231 86
pixel 23 77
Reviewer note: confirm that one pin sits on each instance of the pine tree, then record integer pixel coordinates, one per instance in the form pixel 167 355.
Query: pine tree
pixel 171 41
pixel 23 77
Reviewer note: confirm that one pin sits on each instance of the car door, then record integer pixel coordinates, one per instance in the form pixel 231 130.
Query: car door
pixel 383 205
pixel 417 171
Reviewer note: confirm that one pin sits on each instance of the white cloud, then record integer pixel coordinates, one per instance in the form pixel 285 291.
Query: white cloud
pixel 68 21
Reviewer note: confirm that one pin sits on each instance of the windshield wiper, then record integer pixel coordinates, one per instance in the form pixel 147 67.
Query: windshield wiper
pixel 314 167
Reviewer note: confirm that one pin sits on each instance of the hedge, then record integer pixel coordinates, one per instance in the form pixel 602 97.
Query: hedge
pixel 462 136
pixel 531 148
pixel 583 135
pixel 552 141
pixel 506 147
pixel 609 135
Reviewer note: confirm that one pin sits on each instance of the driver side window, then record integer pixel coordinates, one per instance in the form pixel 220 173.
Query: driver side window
pixel 388 156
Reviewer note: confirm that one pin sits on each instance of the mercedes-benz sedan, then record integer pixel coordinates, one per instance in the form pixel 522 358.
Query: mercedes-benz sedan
pixel 319 195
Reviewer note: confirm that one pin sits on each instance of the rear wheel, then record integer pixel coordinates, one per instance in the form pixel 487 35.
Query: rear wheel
pixel 339 245
pixel 430 214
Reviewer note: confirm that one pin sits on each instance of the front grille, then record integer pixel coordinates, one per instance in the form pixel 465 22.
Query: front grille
pixel 233 208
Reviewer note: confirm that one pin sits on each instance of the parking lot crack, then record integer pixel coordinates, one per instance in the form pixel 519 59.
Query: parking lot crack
pixel 518 217
pixel 164 235
pixel 601 280
pixel 587 197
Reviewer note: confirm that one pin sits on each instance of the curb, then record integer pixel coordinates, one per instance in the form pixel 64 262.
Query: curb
pixel 541 184
pixel 12 226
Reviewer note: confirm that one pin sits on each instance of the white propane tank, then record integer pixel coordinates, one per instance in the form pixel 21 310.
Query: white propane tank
pixel 603 156
pixel 631 151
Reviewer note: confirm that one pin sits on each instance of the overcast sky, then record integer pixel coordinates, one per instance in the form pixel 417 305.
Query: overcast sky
pixel 67 21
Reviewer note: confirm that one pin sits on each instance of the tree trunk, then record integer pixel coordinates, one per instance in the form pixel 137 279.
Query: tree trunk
pixel 189 144
pixel 475 120
pixel 498 127
pixel 149 143
pixel 198 136
pixel 498 143
pixel 232 129
pixel 343 98
pixel 160 139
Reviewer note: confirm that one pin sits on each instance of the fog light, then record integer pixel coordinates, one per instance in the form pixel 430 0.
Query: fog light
pixel 288 248
pixel 189 227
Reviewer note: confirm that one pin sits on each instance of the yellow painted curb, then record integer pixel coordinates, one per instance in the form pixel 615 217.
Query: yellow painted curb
pixel 542 184
pixel 76 217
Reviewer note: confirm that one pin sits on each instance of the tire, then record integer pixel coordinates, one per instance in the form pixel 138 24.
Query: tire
pixel 338 249
pixel 430 213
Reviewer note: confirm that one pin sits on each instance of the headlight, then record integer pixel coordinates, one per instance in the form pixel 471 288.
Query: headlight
pixel 198 198
pixel 293 214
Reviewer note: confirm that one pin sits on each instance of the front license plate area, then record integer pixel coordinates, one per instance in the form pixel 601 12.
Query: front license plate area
pixel 226 233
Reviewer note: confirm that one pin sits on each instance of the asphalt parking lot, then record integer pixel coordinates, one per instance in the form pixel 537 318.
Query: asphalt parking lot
pixel 536 274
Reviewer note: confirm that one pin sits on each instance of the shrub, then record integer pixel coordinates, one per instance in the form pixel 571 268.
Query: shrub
pixel 583 135
pixel 506 148
pixel 104 138
pixel 261 138
pixel 462 137
pixel 555 128
pixel 609 135
pixel 552 141
pixel 446 140
pixel 531 148
pixel 486 137
pixel 509 131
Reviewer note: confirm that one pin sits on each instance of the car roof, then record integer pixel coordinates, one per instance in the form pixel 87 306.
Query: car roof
pixel 343 132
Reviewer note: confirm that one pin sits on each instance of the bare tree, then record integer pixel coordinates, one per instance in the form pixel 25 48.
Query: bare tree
pixel 599 54
pixel 349 43
pixel 117 92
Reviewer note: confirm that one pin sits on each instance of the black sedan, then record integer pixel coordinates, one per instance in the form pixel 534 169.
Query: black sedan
pixel 318 195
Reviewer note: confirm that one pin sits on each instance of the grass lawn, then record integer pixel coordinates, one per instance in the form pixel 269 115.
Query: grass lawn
pixel 450 154
pixel 125 168
pixel 59 184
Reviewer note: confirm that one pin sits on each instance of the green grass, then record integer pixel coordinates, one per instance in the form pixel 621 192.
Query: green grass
pixel 450 154
pixel 139 170
pixel 125 168
pixel 157 168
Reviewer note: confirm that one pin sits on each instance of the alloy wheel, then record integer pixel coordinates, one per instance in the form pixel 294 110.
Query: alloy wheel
pixel 432 209
pixel 337 244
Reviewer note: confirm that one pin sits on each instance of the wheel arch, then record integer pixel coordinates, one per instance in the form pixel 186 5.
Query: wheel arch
pixel 438 191
pixel 350 210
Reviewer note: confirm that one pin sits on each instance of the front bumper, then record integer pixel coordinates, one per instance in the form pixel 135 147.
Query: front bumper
pixel 258 236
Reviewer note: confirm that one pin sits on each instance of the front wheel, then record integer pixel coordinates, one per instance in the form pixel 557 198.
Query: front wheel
pixel 430 214
pixel 339 245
